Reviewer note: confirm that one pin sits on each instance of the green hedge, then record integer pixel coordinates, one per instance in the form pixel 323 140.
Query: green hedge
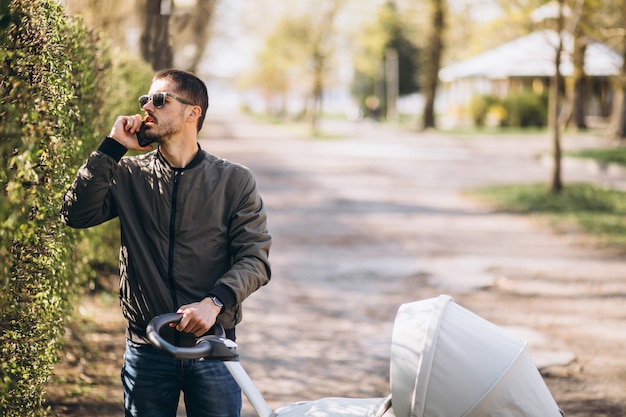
pixel 522 109
pixel 126 81
pixel 526 109
pixel 479 107
pixel 55 80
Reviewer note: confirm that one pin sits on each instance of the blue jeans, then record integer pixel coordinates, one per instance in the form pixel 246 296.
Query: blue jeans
pixel 153 382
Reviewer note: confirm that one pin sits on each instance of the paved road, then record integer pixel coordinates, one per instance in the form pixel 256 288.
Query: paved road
pixel 376 217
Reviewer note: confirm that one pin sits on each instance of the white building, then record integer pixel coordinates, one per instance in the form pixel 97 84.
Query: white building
pixel 527 62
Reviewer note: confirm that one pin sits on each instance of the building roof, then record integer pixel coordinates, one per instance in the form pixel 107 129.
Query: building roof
pixel 533 56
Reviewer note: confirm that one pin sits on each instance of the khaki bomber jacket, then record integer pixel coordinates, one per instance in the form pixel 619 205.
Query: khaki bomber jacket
pixel 185 233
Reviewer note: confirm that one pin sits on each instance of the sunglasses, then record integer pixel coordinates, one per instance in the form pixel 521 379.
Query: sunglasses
pixel 158 99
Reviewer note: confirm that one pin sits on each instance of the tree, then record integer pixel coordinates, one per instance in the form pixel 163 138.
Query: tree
pixel 106 17
pixel 321 38
pixel 298 56
pixel 580 24
pixel 606 21
pixel 618 122
pixel 553 15
pixel 167 33
pixel 279 69
pixel 432 61
pixel 556 84
pixel 589 19
pixel 191 30
pixel 579 81
pixel 579 29
pixel 155 37
pixel 381 44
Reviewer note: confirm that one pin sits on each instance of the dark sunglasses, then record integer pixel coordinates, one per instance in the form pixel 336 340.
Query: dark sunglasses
pixel 158 99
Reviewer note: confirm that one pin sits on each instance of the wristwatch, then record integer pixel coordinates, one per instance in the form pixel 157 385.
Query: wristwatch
pixel 217 302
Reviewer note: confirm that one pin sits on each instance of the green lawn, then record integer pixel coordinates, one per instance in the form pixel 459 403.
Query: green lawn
pixel 604 155
pixel 596 210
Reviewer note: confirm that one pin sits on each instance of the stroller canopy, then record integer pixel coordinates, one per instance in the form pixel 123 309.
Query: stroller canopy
pixel 448 362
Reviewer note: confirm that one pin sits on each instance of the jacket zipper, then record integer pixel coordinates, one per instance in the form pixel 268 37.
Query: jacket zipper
pixel 170 265
pixel 170 262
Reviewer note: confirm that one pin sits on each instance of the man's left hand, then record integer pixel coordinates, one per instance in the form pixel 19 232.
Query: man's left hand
pixel 198 317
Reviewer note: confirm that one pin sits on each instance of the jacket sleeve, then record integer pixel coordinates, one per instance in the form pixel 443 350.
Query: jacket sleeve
pixel 250 243
pixel 88 201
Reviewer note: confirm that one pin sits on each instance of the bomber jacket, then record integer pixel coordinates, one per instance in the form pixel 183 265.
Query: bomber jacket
pixel 185 233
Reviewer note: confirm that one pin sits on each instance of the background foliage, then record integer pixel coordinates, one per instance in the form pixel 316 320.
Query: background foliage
pixel 523 109
pixel 390 30
pixel 56 84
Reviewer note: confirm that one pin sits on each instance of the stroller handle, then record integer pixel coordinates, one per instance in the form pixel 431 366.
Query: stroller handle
pixel 214 346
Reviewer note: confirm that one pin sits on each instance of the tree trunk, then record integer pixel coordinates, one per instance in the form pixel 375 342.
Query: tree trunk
pixel 555 107
pixel 155 38
pixel 618 124
pixel 618 118
pixel 580 84
pixel 320 54
pixel 435 50
pixel 391 77
pixel 193 27
pixel 317 95
pixel 576 94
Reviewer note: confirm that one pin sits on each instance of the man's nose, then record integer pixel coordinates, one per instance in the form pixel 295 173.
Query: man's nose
pixel 149 106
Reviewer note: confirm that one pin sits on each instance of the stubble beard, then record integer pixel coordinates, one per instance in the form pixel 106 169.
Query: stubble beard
pixel 166 131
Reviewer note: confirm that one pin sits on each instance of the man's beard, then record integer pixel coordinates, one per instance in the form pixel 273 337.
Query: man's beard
pixel 164 132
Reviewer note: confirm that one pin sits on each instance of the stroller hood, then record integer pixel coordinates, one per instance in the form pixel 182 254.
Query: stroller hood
pixel 447 361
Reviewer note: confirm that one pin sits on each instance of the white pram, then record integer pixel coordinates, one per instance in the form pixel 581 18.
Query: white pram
pixel 445 362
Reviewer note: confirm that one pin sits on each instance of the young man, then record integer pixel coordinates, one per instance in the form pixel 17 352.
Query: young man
pixel 194 240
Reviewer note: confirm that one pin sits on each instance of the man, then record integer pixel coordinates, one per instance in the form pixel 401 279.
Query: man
pixel 194 240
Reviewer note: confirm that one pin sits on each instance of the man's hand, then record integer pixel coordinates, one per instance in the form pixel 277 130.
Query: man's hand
pixel 198 317
pixel 124 131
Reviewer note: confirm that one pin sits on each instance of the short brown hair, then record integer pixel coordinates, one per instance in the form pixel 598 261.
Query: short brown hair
pixel 190 87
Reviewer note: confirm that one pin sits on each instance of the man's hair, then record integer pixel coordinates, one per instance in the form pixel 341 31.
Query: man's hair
pixel 189 87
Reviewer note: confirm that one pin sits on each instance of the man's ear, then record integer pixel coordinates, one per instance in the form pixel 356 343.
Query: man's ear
pixel 194 114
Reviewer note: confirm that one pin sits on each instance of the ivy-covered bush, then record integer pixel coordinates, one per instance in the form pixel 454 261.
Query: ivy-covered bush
pixel 56 83
pixel 50 103
pixel 128 79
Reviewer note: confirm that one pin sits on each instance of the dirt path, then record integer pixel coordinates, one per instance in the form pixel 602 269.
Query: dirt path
pixel 377 218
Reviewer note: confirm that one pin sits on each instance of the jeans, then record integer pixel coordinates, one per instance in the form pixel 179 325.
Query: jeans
pixel 153 382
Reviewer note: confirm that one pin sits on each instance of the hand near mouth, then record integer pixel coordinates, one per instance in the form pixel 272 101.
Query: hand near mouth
pixel 124 130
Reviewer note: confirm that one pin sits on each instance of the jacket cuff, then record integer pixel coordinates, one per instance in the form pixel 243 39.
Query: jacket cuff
pixel 112 148
pixel 225 294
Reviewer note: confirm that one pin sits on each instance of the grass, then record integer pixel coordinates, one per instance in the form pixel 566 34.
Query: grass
pixel 598 211
pixel 603 156
pixel 496 130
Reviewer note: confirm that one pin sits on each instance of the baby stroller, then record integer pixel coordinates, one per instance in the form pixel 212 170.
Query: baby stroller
pixel 445 362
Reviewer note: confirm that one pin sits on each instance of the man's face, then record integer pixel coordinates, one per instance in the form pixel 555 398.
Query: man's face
pixel 164 122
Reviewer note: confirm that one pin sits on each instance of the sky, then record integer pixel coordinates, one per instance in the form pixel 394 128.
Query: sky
pixel 233 48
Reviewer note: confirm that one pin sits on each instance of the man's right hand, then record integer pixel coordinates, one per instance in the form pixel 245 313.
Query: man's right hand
pixel 124 131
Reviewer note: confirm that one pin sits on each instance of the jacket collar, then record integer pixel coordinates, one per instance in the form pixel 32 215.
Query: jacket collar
pixel 197 159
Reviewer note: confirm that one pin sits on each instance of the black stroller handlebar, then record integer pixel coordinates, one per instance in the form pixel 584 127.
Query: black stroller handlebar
pixel 213 346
